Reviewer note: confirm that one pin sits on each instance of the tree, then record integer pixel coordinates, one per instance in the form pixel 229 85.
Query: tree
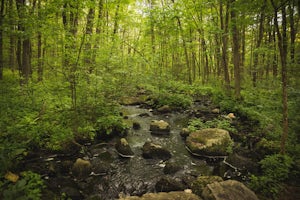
pixel 282 45
pixel 236 51
pixel 1 38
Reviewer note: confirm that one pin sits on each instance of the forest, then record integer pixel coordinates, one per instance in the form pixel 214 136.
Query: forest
pixel 82 80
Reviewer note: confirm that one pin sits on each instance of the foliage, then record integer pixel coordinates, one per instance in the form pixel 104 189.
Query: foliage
pixel 111 125
pixel 174 100
pixel 197 124
pixel 10 154
pixel 28 187
pixel 275 170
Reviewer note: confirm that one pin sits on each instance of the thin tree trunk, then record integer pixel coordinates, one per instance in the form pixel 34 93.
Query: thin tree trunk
pixel 282 44
pixel 39 46
pixel 236 54
pixel 1 39
pixel 258 44
pixel 224 28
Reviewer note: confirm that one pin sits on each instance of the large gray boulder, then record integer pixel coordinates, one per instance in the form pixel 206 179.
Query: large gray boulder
pixel 155 151
pixel 209 142
pixel 165 196
pixel 228 190
pixel 160 127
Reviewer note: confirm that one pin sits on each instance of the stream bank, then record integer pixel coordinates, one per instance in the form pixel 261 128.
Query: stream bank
pixel 101 173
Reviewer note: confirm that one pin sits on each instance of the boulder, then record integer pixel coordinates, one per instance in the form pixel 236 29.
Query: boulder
pixel 159 127
pixel 185 132
pixel 171 168
pixel 168 184
pixel 164 109
pixel 209 142
pixel 136 125
pixel 81 168
pixel 200 183
pixel 100 167
pixel 228 190
pixel 123 148
pixel 165 196
pixel 155 151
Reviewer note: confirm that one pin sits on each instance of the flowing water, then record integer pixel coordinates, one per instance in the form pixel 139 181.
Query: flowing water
pixel 136 176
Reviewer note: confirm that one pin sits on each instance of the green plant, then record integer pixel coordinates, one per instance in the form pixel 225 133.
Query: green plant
pixel 111 125
pixel 27 188
pixel 10 154
pixel 196 124
pixel 176 101
pixel 275 170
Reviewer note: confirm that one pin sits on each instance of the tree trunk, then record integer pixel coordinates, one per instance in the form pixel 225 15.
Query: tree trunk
pixel 236 53
pixel 282 44
pixel 1 39
pixel 224 28
pixel 39 46
pixel 259 40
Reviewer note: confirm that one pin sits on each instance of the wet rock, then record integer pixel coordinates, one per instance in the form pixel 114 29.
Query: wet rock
pixel 72 193
pixel 167 184
pixel 123 148
pixel 155 151
pixel 185 132
pixel 209 142
pixel 228 190
pixel 144 115
pixel 81 168
pixel 241 163
pixel 171 168
pixel 164 109
pixel 100 167
pixel 200 183
pixel 164 196
pixel 159 127
pixel 136 125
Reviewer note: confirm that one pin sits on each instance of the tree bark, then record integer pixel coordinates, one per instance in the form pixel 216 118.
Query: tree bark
pixel 282 44
pixel 39 48
pixel 236 53
pixel 1 39
pixel 258 44
pixel 224 39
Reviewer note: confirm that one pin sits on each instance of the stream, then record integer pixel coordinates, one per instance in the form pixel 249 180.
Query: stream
pixel 114 176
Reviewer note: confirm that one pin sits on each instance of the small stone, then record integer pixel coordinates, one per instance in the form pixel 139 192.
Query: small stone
pixel 185 132
pixel 216 111
pixel 136 125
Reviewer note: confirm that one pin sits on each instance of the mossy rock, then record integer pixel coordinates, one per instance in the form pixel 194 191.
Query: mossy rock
pixel 210 142
pixel 200 183
pixel 180 195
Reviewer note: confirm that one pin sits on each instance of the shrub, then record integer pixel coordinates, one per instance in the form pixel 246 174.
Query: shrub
pixel 275 170
pixel 27 188
pixel 111 125
pixel 176 101
pixel 197 124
